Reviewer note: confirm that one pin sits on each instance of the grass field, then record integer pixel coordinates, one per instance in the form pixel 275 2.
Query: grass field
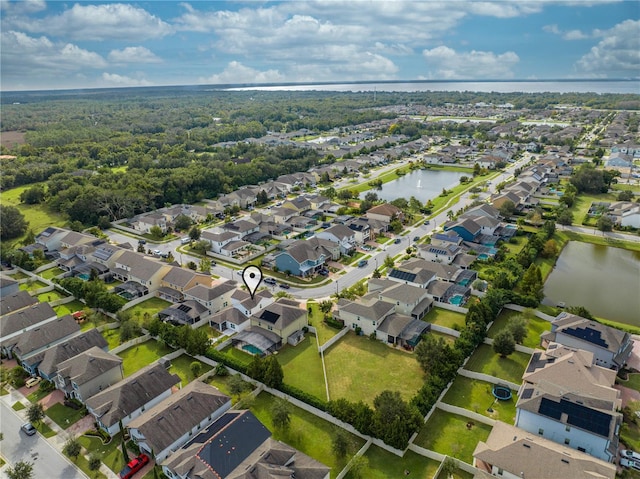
pixel 50 296
pixel 222 383
pixel 112 336
pixel 51 272
pixel 39 216
pixel 444 317
pixel 447 337
pixel 182 367
pixel 583 202
pixel 302 366
pixel 32 286
pixel 535 327
pixel 150 306
pixel 64 416
pixel 18 275
pixel 476 396
pixel 307 433
pixel 70 307
pixel 511 368
pixel 323 331
pixel 453 437
pixel 237 354
pixel 141 355
pixel 359 369
pixel 385 465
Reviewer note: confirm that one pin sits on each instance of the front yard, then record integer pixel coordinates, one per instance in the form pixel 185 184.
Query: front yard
pixel 110 454
pixel 302 367
pixel 453 435
pixel 359 369
pixel 511 368
pixel 141 355
pixel 65 416
pixel 477 396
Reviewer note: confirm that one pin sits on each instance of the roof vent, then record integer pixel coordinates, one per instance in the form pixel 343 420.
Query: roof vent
pixel 565 461
pixel 527 446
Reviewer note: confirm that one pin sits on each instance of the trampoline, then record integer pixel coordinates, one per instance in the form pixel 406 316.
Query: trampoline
pixel 501 392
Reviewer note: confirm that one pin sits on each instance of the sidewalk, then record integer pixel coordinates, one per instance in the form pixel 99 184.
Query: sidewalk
pixel 61 435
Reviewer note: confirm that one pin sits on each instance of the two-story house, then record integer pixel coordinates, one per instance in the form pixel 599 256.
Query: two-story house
pixel 55 355
pixel 345 237
pixel 305 257
pixel 219 239
pixel 214 298
pixel 132 267
pixel 385 212
pixel 178 280
pixel 22 319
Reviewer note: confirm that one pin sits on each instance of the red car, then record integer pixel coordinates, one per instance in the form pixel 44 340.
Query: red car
pixel 134 466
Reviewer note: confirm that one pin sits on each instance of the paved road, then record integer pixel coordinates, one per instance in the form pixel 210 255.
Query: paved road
pixel 47 461
pixel 608 234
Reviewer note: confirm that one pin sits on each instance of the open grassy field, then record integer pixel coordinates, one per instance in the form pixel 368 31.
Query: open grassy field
pixel 70 307
pixel 51 272
pixel 150 306
pixel 302 367
pixel 307 433
pixel 535 326
pixel 453 438
pixel 182 367
pixel 141 355
pixel 359 369
pixel 50 296
pixel 38 216
pixel 476 396
pixel 385 465
pixel 444 317
pixel 511 368
pixel 323 331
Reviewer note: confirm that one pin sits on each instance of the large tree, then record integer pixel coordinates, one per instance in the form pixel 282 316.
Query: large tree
pixel 394 420
pixel 20 470
pixel 503 343
pixel 281 414
pixel 12 222
pixel 35 413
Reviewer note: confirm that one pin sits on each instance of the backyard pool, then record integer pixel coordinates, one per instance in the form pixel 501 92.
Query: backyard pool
pixel 84 276
pixel 457 300
pixel 483 256
pixel 251 349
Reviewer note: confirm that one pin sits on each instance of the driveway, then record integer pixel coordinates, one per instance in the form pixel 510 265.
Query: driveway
pixel 55 397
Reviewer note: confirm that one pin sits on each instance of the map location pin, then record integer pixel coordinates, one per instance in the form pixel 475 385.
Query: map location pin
pixel 252 277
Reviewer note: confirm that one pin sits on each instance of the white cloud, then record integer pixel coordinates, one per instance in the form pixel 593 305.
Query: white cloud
pixel 552 29
pixel 446 63
pixel 113 79
pixel 575 35
pixel 618 54
pixel 100 22
pixel 133 55
pixel 22 6
pixel 236 72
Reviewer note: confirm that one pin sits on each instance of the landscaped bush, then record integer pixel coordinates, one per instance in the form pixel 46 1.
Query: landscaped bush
pixel 304 396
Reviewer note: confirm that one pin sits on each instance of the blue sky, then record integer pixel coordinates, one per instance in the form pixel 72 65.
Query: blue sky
pixel 52 45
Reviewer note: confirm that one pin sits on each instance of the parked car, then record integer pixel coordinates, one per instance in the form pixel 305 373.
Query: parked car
pixel 426 223
pixel 324 272
pixel 134 466
pixel 362 263
pixel 629 454
pixel 141 241
pixel 416 238
pixel 157 251
pixel 185 240
pixel 284 286
pixel 33 381
pixel 28 429
pixel 397 241
pixel 270 281
pixel 627 462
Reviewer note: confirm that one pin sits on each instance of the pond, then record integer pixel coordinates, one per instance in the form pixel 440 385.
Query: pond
pixel 603 279
pixel 423 184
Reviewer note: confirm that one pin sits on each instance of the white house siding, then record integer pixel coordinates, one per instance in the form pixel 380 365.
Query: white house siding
pixel 115 428
pixel 602 357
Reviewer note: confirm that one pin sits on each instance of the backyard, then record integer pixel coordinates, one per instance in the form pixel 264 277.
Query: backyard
pixel 222 383
pixel 51 272
pixel 384 465
pixel 112 336
pixel 306 432
pixel 51 296
pixel 485 361
pixel 148 308
pixel 476 396
pixel 323 331
pixel 302 367
pixel 32 285
pixel 446 318
pixel 141 355
pixel 456 436
pixel 535 327
pixel 182 367
pixel 359 369
pixel 70 307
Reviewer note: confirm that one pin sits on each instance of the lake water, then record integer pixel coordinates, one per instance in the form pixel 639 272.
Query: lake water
pixel 423 184
pixel 603 279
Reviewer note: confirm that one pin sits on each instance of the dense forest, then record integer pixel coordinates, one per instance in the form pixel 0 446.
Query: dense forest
pixel 144 148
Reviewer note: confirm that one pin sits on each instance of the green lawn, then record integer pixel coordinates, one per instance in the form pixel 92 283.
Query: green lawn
pixel 633 382
pixel 476 396
pixel 511 368
pixel 447 337
pixel 238 354
pixel 150 306
pixel 307 433
pixel 323 330
pixel 51 296
pixel 70 307
pixel 385 465
pixel 18 275
pixel 45 430
pixel 110 454
pixel 182 367
pixel 535 326
pixel 444 317
pixel 302 367
pixel 32 285
pixel 18 406
pixel 141 355
pixel 583 203
pixel 38 394
pixel 359 369
pixel 51 272
pixel 453 437
pixel 83 464
pixel 64 416
pixel 39 216
pixel 112 336
pixel 222 383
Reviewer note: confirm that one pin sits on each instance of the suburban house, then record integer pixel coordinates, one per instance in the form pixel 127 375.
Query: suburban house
pixel 8 287
pixel 299 204
pixel 136 268
pixel 365 229
pixel 87 373
pixel 178 280
pixel 342 235
pixel 23 319
pixel 365 314
pixel 305 257
pixel 567 398
pixel 146 221
pixel 219 239
pixel 188 312
pixel 26 347
pixel 385 212
pixel 168 425
pixel 229 318
pixel 129 398
pixel 214 298
pixel 242 301
pixel 12 302
pixel 50 238
pixel 439 254
pixel 239 446
pixel 55 355
pixel 282 215
pixel 513 453
pixel 611 347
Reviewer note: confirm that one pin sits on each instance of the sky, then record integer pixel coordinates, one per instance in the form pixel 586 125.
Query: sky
pixel 58 44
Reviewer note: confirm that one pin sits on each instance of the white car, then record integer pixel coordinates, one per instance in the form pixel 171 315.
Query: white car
pixel 629 454
pixel 624 462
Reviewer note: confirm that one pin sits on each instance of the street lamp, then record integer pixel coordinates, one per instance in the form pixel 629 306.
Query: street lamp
pixel 337 291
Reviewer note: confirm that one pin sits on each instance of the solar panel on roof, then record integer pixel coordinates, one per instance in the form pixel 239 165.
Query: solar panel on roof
pixel 102 254
pixel 184 308
pixel 526 394
pixel 578 415
pixel 269 316
pixel 587 334
pixel 402 275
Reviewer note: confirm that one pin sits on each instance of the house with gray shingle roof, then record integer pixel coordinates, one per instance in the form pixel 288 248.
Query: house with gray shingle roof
pixel 129 398
pixel 87 373
pixel 15 323
pixel 214 298
pixel 305 257
pixel 12 302
pixel 169 424
pixel 52 357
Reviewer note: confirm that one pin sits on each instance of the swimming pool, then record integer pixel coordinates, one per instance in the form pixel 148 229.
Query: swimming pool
pixel 251 349
pixel 483 256
pixel 84 276
pixel 456 300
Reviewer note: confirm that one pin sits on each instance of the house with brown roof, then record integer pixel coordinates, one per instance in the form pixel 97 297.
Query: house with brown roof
pixel 178 280
pixel 129 398
pixel 611 347
pixel 168 425
pixel 215 298
pixel 239 446
pixel 385 212
pixel 135 267
pixel 513 453
pixel 87 373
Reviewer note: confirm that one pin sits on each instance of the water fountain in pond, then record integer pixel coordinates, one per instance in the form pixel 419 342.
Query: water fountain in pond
pixel 419 181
